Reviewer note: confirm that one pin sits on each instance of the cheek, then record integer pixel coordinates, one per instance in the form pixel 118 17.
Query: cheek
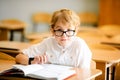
pixel 57 38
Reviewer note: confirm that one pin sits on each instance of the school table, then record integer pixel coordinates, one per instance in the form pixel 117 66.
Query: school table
pixel 81 74
pixel 104 60
pixel 112 43
pixel 34 36
pixel 11 26
pixel 13 47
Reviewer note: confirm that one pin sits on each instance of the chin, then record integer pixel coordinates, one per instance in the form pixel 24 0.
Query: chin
pixel 63 43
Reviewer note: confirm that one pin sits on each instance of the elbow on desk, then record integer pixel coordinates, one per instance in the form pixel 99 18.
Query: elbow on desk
pixel 22 59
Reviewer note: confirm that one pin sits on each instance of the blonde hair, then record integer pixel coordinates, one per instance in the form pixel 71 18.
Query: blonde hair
pixel 65 16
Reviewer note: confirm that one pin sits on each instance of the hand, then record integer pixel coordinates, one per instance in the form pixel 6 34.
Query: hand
pixel 40 59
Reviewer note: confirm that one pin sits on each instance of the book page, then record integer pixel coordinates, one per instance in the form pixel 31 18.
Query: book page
pixel 28 68
pixel 53 71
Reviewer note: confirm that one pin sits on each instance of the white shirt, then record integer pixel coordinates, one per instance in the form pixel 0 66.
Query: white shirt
pixel 76 54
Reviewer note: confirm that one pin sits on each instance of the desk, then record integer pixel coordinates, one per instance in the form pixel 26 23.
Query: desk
pixel 80 73
pixel 105 59
pixel 6 64
pixel 112 43
pixel 35 36
pixel 98 56
pixel 11 25
pixel 13 45
pixel 85 74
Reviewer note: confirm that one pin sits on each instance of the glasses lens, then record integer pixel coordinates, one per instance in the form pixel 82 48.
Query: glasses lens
pixel 70 33
pixel 60 33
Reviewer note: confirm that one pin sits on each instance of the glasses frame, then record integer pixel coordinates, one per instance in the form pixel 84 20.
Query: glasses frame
pixel 65 33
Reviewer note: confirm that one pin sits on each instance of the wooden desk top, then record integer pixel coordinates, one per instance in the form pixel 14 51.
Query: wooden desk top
pixel 34 36
pixel 13 48
pixel 112 43
pixel 81 74
pixel 6 64
pixel 107 56
pixel 12 24
pixel 89 29
pixel 14 45
pixel 98 54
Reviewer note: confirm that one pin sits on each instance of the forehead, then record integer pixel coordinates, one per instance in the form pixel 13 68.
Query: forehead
pixel 63 25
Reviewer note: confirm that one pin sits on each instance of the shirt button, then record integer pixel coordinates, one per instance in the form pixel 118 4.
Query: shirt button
pixel 51 56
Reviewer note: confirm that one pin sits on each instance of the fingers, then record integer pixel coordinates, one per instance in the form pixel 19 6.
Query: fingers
pixel 40 59
pixel 44 59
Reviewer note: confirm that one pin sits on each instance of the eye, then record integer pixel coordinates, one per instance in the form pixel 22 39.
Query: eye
pixel 69 29
pixel 59 29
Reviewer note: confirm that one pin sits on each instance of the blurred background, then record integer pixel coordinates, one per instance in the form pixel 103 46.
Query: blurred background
pixel 26 22
pixel 33 16
pixel 24 9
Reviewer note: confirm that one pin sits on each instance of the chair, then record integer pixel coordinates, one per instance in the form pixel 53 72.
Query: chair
pixel 110 30
pixel 12 25
pixel 40 18
pixel 88 19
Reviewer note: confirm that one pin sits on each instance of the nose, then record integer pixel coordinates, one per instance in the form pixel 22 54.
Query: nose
pixel 64 34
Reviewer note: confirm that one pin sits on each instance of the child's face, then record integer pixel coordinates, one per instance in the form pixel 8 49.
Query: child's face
pixel 63 33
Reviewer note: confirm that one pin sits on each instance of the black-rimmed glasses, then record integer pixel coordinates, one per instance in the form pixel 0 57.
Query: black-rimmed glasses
pixel 68 33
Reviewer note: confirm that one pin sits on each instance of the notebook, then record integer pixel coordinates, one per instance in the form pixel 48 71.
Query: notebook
pixel 44 71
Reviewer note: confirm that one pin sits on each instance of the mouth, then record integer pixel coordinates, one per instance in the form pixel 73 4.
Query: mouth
pixel 63 39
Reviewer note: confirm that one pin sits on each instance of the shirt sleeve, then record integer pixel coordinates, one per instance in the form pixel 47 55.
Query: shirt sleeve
pixel 84 55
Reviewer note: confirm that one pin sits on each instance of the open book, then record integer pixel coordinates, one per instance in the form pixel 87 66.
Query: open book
pixel 46 71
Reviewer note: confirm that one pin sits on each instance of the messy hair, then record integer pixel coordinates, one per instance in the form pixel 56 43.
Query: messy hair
pixel 65 16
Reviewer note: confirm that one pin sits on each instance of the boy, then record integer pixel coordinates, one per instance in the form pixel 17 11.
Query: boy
pixel 63 48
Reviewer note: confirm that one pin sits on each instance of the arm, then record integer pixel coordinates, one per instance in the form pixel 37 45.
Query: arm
pixel 22 59
pixel 32 51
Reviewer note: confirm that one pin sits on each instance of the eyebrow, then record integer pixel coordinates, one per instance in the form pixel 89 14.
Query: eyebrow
pixel 58 27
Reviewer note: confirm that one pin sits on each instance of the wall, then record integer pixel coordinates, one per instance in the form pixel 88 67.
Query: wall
pixel 23 9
